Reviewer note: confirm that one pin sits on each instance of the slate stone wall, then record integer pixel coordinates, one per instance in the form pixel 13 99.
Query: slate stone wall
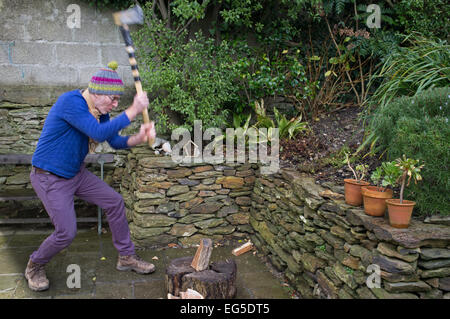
pixel 171 203
pixel 327 249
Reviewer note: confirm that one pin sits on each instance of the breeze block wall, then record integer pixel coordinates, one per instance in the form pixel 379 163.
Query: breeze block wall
pixel 328 249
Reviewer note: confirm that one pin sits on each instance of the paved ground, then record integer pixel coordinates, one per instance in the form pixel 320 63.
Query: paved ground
pixel 97 257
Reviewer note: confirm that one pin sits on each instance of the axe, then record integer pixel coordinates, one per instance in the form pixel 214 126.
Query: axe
pixel 133 15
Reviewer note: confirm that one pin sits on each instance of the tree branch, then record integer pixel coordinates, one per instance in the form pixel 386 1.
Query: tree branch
pixel 339 52
pixel 162 8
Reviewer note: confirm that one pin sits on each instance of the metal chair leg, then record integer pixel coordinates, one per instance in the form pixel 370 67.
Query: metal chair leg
pixel 99 222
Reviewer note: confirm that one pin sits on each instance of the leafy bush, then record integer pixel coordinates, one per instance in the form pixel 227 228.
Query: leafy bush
pixel 418 127
pixel 431 19
pixel 189 80
pixel 269 74
pixel 410 70
pixel 287 128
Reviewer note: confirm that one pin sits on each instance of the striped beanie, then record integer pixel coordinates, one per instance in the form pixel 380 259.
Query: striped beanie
pixel 106 81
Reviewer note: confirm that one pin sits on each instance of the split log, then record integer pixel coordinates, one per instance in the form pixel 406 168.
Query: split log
pixel 217 282
pixel 203 254
pixel 242 249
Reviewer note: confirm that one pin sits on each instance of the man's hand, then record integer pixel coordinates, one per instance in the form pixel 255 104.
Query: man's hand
pixel 140 103
pixel 146 132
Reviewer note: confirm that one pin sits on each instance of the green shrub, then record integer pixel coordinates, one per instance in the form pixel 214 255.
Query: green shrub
pixel 431 18
pixel 410 70
pixel 187 79
pixel 418 127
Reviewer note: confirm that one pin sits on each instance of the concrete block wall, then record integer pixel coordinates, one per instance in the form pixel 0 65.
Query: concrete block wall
pixel 39 49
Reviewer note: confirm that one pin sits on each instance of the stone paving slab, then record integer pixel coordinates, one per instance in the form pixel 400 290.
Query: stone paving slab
pixel 97 257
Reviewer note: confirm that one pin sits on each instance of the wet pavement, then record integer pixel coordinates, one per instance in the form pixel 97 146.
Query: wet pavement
pixel 96 257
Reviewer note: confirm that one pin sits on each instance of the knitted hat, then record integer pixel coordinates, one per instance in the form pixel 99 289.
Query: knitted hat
pixel 106 81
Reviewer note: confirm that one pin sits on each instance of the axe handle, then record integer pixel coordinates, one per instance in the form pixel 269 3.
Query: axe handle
pixel 134 69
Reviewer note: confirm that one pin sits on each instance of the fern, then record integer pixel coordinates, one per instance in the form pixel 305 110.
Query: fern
pixel 340 5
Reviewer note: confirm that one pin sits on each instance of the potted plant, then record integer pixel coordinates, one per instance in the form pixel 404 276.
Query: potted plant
pixel 400 210
pixel 352 187
pixel 374 197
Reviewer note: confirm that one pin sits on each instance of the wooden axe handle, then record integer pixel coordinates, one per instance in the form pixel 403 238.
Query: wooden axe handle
pixel 134 69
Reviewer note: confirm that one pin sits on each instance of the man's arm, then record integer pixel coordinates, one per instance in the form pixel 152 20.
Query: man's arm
pixel 80 118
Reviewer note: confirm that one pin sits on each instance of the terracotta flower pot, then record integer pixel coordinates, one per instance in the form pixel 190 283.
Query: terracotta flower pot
pixel 399 214
pixel 352 190
pixel 375 199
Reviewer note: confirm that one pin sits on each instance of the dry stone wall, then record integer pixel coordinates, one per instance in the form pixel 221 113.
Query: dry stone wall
pixel 171 203
pixel 328 249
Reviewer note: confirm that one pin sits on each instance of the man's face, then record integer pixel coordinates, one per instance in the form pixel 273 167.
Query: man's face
pixel 105 103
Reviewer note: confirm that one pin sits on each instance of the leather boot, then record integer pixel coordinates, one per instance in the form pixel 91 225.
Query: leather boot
pixel 35 274
pixel 134 263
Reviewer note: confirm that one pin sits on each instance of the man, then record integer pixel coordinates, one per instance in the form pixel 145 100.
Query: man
pixel 74 125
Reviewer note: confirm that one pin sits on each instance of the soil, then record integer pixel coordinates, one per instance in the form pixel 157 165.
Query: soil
pixel 319 152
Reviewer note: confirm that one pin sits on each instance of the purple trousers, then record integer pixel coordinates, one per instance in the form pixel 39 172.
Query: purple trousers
pixel 57 195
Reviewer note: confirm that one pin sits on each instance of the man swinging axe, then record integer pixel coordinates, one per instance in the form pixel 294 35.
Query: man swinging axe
pixel 74 125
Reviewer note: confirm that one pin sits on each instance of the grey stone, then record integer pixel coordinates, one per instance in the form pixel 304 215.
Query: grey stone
pixel 183 230
pixel 187 181
pixel 209 223
pixel 441 272
pixel 380 293
pixel 184 197
pixel 153 195
pixel 165 208
pixel 444 283
pixel 434 253
pixel 418 286
pixel 334 241
pixel 329 288
pixel 193 218
pixel 222 230
pixel 393 265
pixel 436 219
pixel 343 233
pixel 158 161
pixel 227 210
pixel 365 293
pixel 142 233
pixel 416 235
pixel 391 251
pixel 153 220
pixel 344 275
pixel 206 208
pixel 313 237
pixel 177 189
pixel 312 263
pixel 434 264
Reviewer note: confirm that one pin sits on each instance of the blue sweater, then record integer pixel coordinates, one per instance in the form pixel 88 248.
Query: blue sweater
pixel 64 141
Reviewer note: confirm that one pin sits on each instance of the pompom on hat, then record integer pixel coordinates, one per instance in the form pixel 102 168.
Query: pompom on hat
pixel 106 81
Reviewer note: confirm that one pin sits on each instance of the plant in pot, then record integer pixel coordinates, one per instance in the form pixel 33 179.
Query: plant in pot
pixel 374 197
pixel 400 210
pixel 352 187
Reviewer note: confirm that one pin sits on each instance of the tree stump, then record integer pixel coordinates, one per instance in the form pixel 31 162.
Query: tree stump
pixel 216 282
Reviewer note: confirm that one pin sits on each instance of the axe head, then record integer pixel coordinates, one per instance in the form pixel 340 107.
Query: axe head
pixel 133 15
